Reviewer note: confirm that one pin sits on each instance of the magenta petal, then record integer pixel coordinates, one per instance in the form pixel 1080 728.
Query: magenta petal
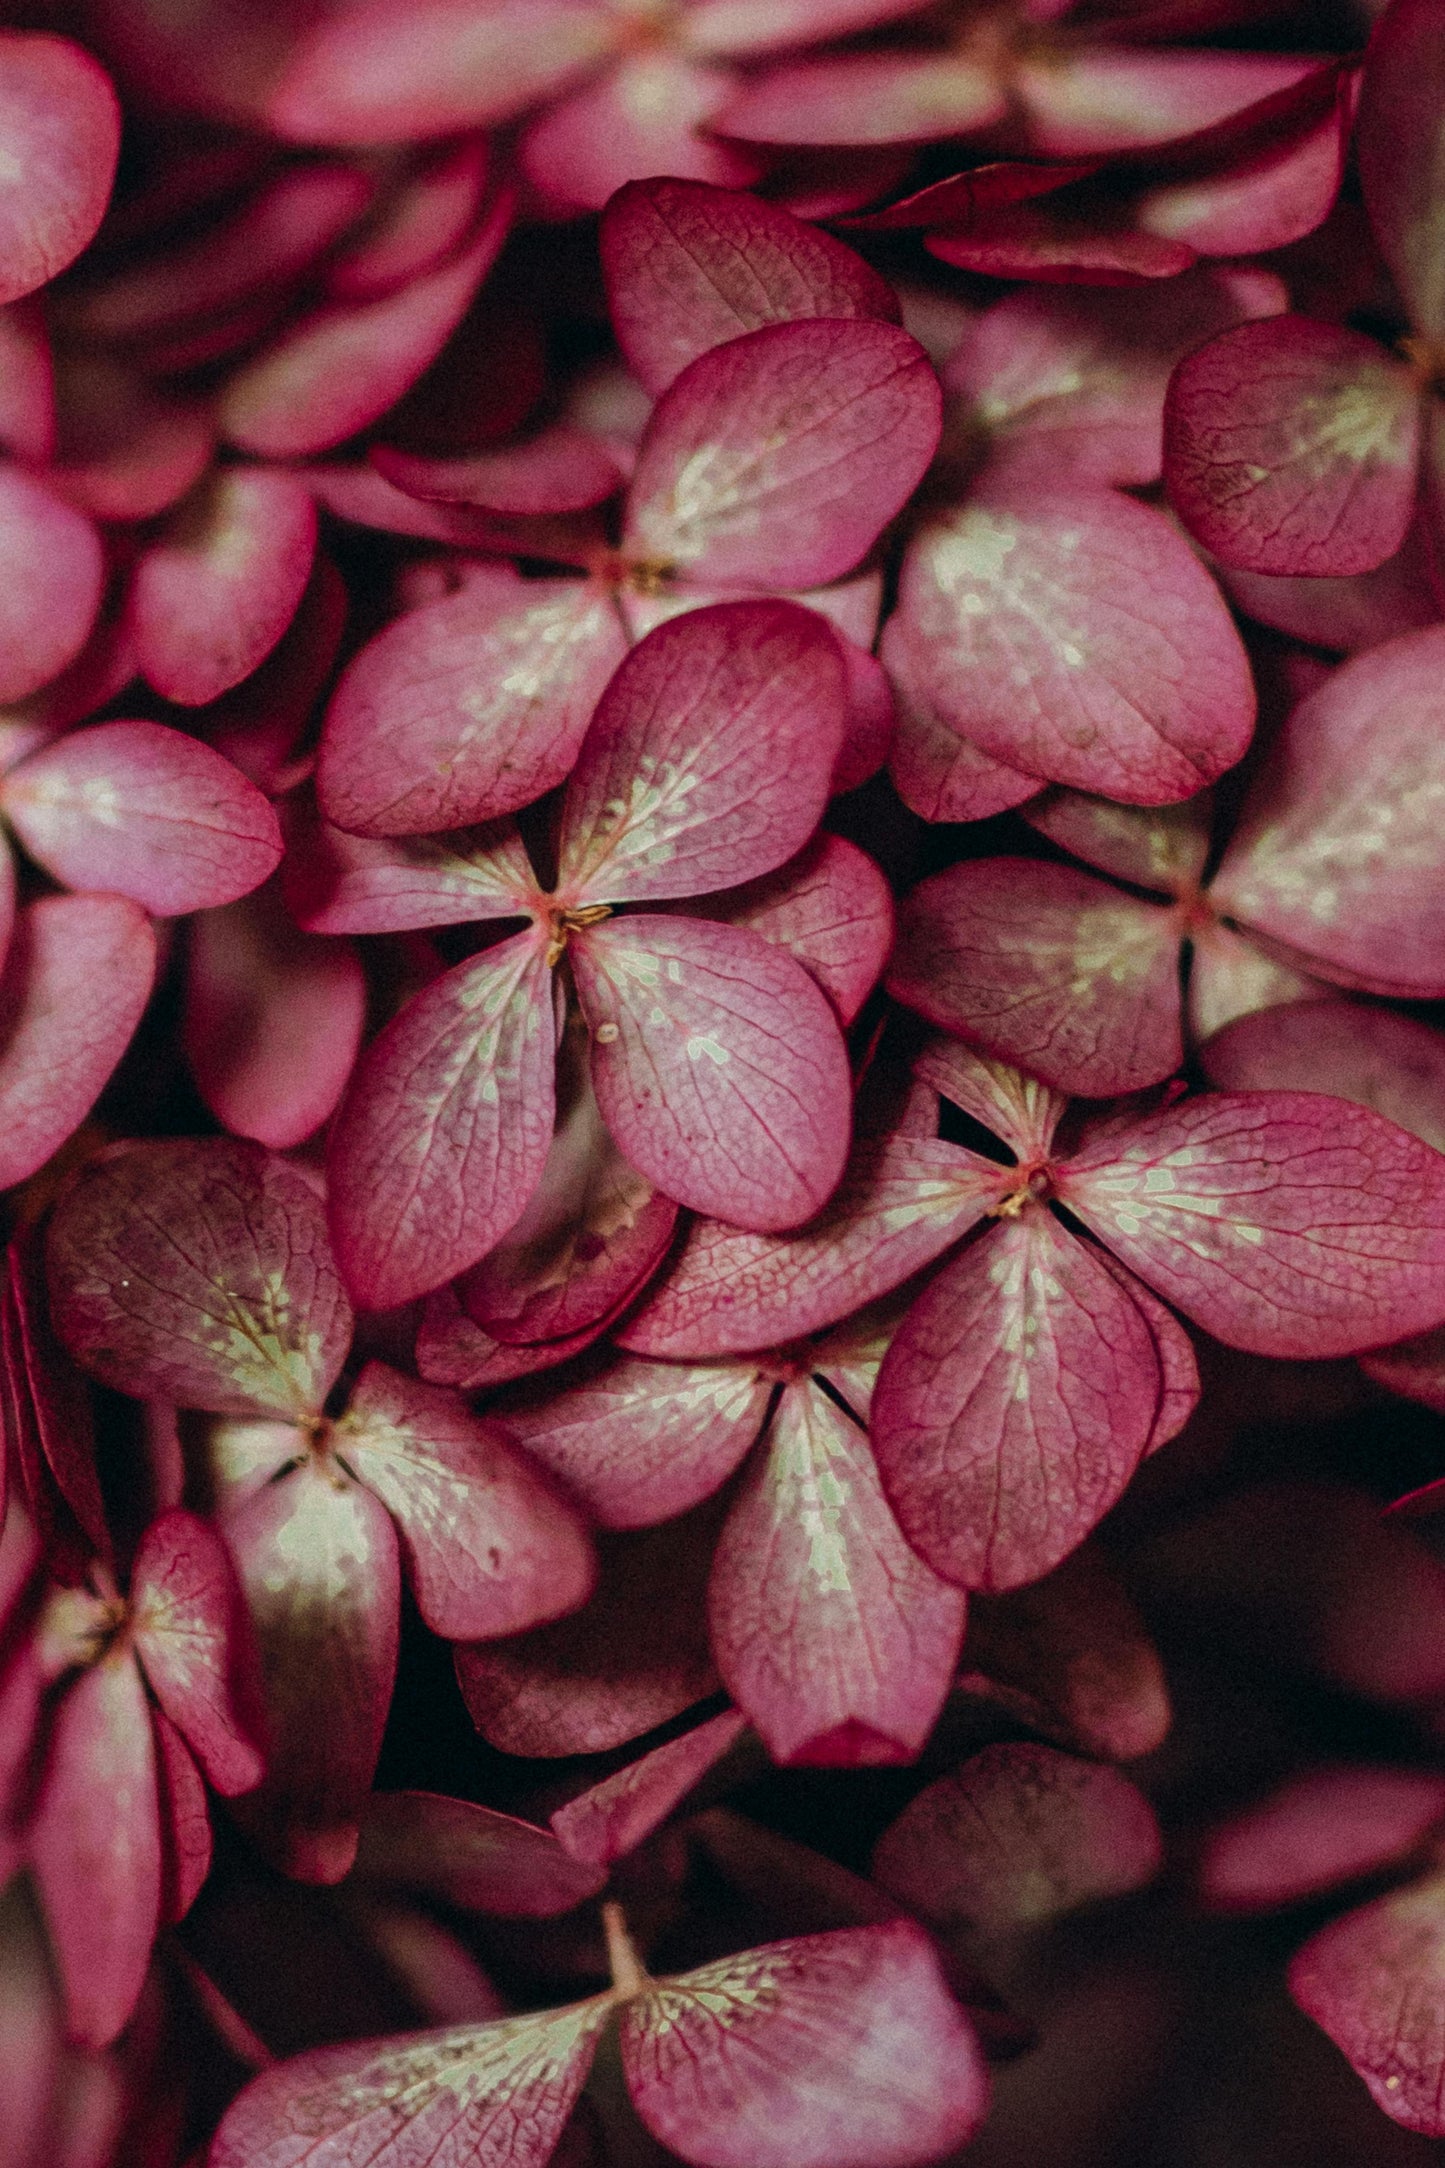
pixel 468 707
pixel 145 810
pixel 938 772
pixel 830 1633
pixel 612 1818
pixel 452 1350
pixel 790 2056
pixel 1045 967
pixel 197 1271
pixel 1282 1222
pixel 1160 847
pixel 27 388
pixel 872 98
pixel 634 1657
pixel 900 1204
pixel 214 593
pixel 470 1856
pixel 1174 1350
pixel 718 1065
pixel 1263 201
pixel 1291 447
pixel 1075 635
pixel 53 1407
pixel 262 724
pixel 1016 1837
pixel 642 1440
pixel 317 1559
pixel 653 111
pixel 186 1606
pixel 1104 97
pixel 1372 1982
pixel 444 1133
pixel 489 1547
pixel 127 450
pixel 185 1822
pixel 77 977
pixel 1319 1828
pixel 1021 1112
pixel 340 369
pixel 51 573
pixel 830 908
pixel 1056 242
pixel 273 1020
pixel 1361 746
pixel 561 470
pixel 1372 1056
pixel 427 217
pixel 777 459
pixel 1399 149
pixel 60 123
pixel 94 1846
pixel 689 266
pixel 1014 1404
pixel 710 757
pixel 481 2093
pixel 1346 614
pixel 340 883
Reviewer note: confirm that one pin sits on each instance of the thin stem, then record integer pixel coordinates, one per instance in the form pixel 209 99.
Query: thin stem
pixel 628 1976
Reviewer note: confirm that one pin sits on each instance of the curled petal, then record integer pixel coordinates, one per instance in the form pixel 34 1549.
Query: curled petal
pixel 470 1856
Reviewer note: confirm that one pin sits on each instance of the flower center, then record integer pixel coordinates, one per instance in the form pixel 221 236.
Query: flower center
pixel 1033 1184
pixel 562 922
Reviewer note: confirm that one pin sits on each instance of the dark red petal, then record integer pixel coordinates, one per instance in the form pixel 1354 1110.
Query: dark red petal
pixel 1284 1222
pixel 489 1547
pixel 615 1816
pixel 1045 967
pixel 198 1271
pixel 470 1856
pixel 777 459
pixel 561 470
pixel 443 1135
pixel 1372 1982
pixel 1292 446
pixel 1014 1404
pixel 1016 1837
pixel 61 126
pixel 185 1822
pixel 77 978
pixel 832 1636
pixel 710 757
pixel 94 1847
pixel 186 1611
pixel 1399 149
pixel 829 2051
pixel 50 1404
pixel 689 266
pixel 1319 1828
pixel 318 1565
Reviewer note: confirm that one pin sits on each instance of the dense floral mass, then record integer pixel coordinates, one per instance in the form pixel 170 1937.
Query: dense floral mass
pixel 722 943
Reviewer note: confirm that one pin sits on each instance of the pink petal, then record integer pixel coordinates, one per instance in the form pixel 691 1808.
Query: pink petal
pixel 642 1441
pixel 1363 744
pixel 61 126
pixel 489 1547
pixel 186 1607
pixel 468 707
pixel 1020 1111
pixel 197 1271
pixel 1231 975
pixel 1264 201
pixel 1069 386
pixel 830 908
pixel 833 1637
pixel 213 595
pixel 592 1233
pixel 1343 614
pixel 1160 847
pixel 185 1822
pixel 500 2092
pixel 273 1020
pixel 340 369
pixel 262 725
pixel 843 2050
pixel 1372 1982
pixel 317 1559
pixel 51 573
pixel 1015 1402
pixel 1372 1056
pixel 126 451
pixel 562 470
pixel 77 978
pixel 1319 1828
pixel 52 1405
pixel 360 496
pixel 444 1133
pixel 145 810
pixel 389 72
pixel 340 883
pixel 777 459
pixel 867 98
pixel 27 389
pixel 961 199
pixel 939 774
pixel 756 26
pixel 1178 1367
pixel 1114 667
pixel 94 1847
pixel 427 218
pixel 901 1204
pixel 1107 98
pixel 614 1817
pixel 1045 967
pixel 718 1065
pixel 689 267
pixel 1064 242
pixel 1398 143
pixel 470 1857
pixel 451 1350
pixel 652 112
pixel 1016 1837
pixel 634 1657
pixel 1291 446
pixel 709 758
pixel 1283 1222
